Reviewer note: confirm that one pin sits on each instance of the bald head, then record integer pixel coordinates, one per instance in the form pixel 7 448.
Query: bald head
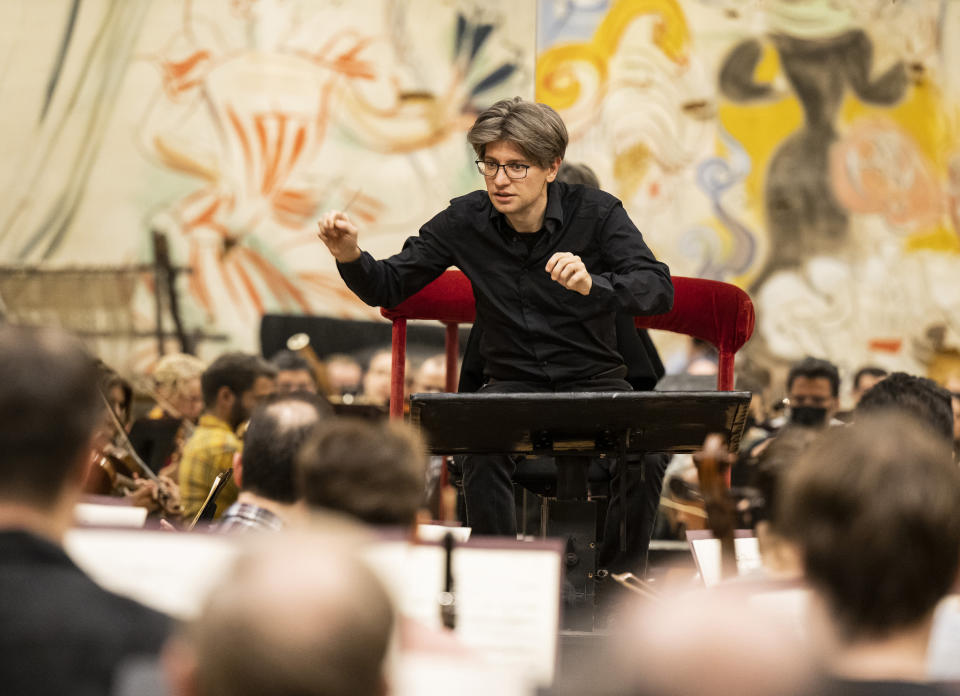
pixel 685 642
pixel 301 617
pixel 273 438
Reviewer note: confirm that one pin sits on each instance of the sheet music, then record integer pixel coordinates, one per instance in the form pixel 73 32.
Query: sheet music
pixel 109 515
pixel 943 655
pixel 171 572
pixel 707 554
pixel 436 532
pixel 507 599
pixel 432 675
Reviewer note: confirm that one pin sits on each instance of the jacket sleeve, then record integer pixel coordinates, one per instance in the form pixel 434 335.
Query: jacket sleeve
pixel 388 282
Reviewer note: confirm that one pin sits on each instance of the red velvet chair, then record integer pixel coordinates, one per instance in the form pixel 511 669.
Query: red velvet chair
pixel 719 313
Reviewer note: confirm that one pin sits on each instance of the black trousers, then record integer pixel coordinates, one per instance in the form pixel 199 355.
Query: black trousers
pixel 488 486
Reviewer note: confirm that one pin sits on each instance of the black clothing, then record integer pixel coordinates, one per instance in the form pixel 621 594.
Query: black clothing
pixel 849 687
pixel 644 367
pixel 534 329
pixel 61 633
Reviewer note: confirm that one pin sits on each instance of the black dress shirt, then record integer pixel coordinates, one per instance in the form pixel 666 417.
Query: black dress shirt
pixel 61 633
pixel 534 328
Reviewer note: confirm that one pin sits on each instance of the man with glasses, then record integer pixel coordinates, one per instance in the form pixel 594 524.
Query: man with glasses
pixel 551 265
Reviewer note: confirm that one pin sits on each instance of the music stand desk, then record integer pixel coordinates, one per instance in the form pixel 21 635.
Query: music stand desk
pixel 573 427
pixel 577 423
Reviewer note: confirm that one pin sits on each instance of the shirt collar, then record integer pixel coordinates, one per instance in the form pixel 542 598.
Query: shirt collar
pixel 208 420
pixel 552 216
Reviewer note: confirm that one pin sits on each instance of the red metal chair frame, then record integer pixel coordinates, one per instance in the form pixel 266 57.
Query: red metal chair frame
pixel 719 313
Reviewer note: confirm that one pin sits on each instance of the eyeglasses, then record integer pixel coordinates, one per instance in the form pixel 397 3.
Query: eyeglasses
pixel 513 170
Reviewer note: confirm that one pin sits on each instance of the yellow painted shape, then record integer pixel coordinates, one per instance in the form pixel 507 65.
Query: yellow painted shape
pixel 941 239
pixel 556 82
pixel 923 114
pixel 931 123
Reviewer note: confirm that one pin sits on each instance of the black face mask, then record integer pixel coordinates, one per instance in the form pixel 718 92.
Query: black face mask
pixel 809 416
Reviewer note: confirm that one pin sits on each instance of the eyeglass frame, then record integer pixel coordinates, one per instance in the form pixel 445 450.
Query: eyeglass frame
pixel 482 163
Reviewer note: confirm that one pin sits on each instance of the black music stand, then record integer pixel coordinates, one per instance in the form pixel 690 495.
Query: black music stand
pixel 573 427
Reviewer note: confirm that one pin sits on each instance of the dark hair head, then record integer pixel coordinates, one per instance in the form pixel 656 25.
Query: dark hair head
pixel 815 368
pixel 288 360
pixel 867 371
pixel 49 408
pixel 372 471
pixel 536 129
pixel 577 173
pixel 767 474
pixel 110 380
pixel 875 510
pixel 276 432
pixel 919 397
pixel 236 371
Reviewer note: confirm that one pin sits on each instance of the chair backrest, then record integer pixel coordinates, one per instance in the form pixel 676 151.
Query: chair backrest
pixel 448 299
pixel 719 313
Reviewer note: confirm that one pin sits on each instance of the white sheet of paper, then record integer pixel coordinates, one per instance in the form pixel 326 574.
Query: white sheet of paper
pixel 109 515
pixel 507 599
pixel 943 655
pixel 433 675
pixel 169 571
pixel 707 552
pixel 436 532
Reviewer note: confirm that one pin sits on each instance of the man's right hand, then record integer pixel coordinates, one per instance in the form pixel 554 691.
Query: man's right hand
pixel 340 236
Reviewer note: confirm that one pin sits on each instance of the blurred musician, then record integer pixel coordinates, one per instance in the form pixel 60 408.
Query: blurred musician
pixel 233 385
pixel 60 633
pixel 294 373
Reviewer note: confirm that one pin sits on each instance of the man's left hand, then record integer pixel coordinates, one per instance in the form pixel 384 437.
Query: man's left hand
pixel 568 270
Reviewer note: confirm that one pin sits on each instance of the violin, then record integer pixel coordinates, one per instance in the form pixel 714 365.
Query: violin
pixel 116 469
pixel 713 468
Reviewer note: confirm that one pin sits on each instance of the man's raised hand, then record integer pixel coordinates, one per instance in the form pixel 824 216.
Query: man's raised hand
pixel 340 235
pixel 568 270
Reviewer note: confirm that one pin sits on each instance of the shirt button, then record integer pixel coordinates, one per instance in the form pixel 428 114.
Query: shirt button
pixel 543 363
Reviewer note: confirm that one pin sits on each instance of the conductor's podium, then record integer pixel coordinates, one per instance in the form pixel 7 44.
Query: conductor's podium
pixel 573 427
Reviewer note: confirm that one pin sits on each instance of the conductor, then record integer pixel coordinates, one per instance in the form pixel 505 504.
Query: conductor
pixel 551 266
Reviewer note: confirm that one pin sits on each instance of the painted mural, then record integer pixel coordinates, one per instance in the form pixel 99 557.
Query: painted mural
pixel 804 149
pixel 230 125
pixel 808 150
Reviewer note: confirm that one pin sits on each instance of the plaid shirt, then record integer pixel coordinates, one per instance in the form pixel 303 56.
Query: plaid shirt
pixel 208 452
pixel 243 517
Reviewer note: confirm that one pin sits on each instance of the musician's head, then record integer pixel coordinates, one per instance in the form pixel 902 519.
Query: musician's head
pixel 875 511
pixel 813 388
pixel 50 408
pixel 578 173
pixel 277 431
pixel 371 471
pixel 177 381
pixel 302 616
pixel 920 397
pixel 519 146
pixel 431 376
pixel 376 378
pixel 864 379
pixel 234 384
pixel 765 478
pixel 294 373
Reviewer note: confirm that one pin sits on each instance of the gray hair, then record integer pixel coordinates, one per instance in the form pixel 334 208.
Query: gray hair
pixel 535 128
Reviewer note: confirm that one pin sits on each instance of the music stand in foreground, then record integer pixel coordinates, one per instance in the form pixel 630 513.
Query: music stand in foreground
pixel 573 427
